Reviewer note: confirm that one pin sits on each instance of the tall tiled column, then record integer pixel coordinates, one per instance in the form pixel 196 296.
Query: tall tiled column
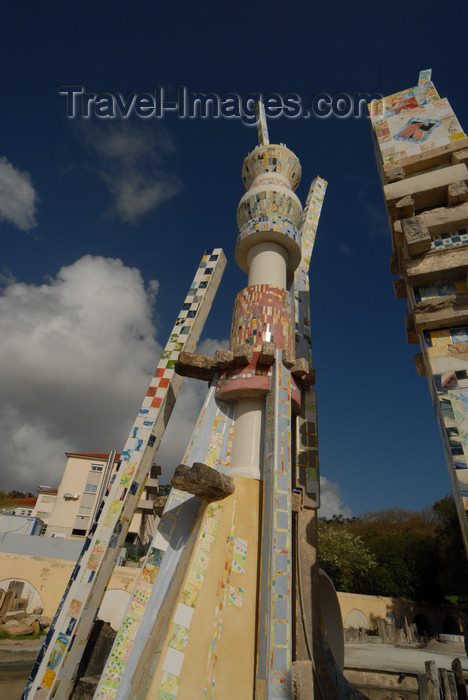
pixel 422 155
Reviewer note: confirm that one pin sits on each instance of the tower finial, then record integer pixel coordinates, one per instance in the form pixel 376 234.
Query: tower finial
pixel 262 128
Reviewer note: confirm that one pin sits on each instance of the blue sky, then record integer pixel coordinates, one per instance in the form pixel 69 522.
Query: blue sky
pixel 103 222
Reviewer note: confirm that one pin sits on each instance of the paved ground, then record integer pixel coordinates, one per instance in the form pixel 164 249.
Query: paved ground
pixel 16 660
pixel 386 657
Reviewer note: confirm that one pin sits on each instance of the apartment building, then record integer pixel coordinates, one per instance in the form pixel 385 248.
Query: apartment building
pixel 69 510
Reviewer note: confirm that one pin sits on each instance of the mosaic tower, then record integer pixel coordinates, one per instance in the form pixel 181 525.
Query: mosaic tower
pixel 213 612
pixel 227 602
pixel 422 155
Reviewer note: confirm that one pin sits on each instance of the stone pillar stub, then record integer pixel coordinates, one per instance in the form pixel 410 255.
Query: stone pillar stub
pixel 417 236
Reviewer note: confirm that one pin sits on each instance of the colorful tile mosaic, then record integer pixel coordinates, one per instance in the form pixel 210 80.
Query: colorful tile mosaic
pixel 262 127
pixel 274 654
pixel 309 226
pixel 188 598
pixel 446 352
pixel 275 223
pixel 449 240
pixel 211 441
pixel 412 121
pixel 224 599
pixel 263 313
pixel 272 158
pixel 267 202
pixel 450 390
pixel 439 290
pixel 96 560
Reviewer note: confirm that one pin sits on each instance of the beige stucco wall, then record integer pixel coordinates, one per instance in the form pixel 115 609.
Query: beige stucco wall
pixel 75 477
pixel 374 607
pixel 44 506
pixel 50 576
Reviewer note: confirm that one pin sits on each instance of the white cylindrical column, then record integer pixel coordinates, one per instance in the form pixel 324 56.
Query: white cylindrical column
pixel 267 264
pixel 247 442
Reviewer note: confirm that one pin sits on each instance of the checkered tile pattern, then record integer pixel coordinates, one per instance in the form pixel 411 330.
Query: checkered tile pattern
pixel 449 240
pixel 62 651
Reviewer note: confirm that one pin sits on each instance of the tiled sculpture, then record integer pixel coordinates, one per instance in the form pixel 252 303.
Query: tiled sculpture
pixel 422 155
pixel 227 601
pixel 56 665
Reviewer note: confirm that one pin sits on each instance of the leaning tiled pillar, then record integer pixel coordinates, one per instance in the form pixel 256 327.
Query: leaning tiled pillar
pixel 422 156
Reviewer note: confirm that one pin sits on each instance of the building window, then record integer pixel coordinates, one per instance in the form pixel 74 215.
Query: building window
pixel 83 510
pixel 96 467
pixel 90 488
pixel 78 532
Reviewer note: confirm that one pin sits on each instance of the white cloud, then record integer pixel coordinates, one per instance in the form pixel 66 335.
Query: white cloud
pixel 76 357
pixel 18 197
pixel 130 162
pixel 331 500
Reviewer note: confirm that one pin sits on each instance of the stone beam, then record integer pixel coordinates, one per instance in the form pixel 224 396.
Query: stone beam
pixel 394 264
pixel 460 157
pixel 457 193
pixel 416 236
pixel 427 190
pixel 411 333
pixel 395 174
pixel 203 481
pixel 267 354
pixel 436 157
pixel 404 207
pixel 243 354
pixel 441 312
pixel 459 350
pixel 437 266
pixel 301 371
pixel 399 287
pixel 191 364
pixel 223 358
pixel 420 364
pixel 445 219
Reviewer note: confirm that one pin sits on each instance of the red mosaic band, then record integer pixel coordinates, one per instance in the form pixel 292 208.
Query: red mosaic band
pixel 263 313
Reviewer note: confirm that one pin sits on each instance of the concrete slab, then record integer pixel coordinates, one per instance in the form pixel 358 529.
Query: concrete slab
pixel 386 657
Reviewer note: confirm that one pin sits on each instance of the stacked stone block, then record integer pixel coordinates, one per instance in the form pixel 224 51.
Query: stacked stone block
pixel 422 155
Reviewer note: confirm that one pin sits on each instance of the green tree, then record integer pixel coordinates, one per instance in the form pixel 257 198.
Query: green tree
pixel 392 521
pixel 19 494
pixel 405 567
pixel 452 574
pixel 344 557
